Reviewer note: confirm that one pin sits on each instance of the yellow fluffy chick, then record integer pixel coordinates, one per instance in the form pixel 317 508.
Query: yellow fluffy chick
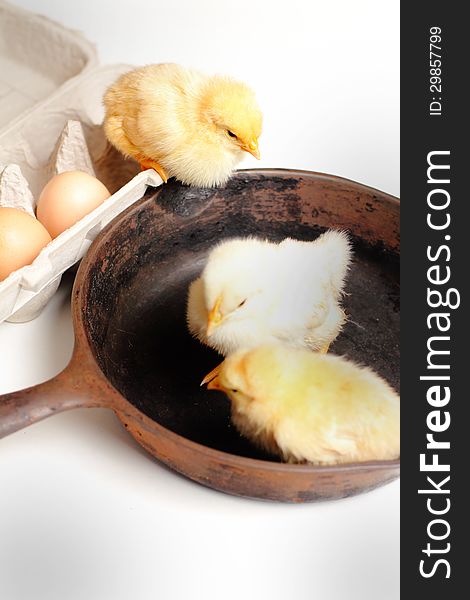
pixel 183 123
pixel 310 407
pixel 253 292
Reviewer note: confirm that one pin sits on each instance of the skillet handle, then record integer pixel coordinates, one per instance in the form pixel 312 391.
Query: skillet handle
pixel 69 389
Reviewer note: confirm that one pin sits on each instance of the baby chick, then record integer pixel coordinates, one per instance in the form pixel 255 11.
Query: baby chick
pixel 309 407
pixel 183 123
pixel 253 292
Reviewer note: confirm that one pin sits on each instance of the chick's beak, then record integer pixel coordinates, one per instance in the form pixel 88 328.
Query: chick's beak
pixel 212 375
pixel 215 385
pixel 252 148
pixel 215 317
pixel 212 379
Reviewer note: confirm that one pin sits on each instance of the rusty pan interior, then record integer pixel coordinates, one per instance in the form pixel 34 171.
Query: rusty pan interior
pixel 138 272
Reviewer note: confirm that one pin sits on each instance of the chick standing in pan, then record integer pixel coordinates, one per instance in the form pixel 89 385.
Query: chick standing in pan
pixel 183 123
pixel 253 292
pixel 309 407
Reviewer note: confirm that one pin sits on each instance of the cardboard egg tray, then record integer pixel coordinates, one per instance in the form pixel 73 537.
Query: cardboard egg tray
pixel 50 121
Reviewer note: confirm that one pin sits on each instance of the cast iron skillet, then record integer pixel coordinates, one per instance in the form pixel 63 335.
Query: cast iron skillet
pixel 133 353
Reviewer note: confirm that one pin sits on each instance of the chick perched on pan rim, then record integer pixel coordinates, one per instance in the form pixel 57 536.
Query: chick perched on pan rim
pixel 183 123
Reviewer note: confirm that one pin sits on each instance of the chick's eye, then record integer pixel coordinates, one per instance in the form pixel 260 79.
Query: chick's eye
pixel 231 134
pixel 234 391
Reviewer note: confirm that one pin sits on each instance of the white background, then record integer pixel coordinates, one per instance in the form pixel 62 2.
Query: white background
pixel 85 514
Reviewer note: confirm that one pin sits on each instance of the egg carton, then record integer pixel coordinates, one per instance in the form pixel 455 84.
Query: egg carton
pixel 59 131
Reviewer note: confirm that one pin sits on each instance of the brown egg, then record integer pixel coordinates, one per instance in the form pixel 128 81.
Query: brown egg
pixel 22 237
pixel 68 197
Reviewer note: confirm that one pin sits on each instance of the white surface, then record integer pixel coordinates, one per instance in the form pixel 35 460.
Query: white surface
pixel 84 513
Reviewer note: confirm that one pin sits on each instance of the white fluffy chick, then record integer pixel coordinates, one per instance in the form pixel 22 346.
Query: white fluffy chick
pixel 253 292
pixel 308 407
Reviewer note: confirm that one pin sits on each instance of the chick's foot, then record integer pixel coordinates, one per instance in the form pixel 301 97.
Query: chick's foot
pixel 151 164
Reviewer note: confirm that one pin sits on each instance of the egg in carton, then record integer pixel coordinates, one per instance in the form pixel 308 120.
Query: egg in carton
pixel 25 292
